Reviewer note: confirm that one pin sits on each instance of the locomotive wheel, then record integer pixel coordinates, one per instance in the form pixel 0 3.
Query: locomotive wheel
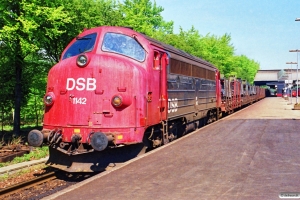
pixel 180 129
pixel 173 133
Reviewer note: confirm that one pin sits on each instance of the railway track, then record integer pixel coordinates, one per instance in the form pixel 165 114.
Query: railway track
pixel 44 185
pixel 27 184
pixel 52 179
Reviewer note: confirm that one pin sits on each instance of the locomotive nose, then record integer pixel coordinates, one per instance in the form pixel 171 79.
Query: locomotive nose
pixel 35 138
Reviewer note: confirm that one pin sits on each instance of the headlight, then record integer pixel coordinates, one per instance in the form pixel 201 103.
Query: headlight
pixel 121 100
pixel 49 99
pixel 117 101
pixel 82 60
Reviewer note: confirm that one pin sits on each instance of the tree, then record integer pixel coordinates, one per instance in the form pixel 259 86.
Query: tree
pixel 32 109
pixel 6 85
pixel 217 50
pixel 246 68
pixel 21 35
pixel 145 17
pixel 83 14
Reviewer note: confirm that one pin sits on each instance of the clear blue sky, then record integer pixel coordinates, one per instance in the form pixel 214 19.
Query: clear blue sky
pixel 263 30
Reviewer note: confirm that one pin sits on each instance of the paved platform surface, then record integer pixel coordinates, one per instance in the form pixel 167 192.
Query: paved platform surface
pixel 252 154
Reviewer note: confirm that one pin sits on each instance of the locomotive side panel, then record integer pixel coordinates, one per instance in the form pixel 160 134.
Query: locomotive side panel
pixel 191 89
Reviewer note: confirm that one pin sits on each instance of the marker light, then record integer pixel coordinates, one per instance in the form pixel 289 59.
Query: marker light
pixel 49 99
pixel 82 60
pixel 117 101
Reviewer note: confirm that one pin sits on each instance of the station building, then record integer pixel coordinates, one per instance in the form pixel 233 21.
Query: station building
pixel 277 79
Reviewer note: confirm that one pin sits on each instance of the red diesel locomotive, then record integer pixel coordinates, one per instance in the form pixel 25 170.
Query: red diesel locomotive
pixel 115 87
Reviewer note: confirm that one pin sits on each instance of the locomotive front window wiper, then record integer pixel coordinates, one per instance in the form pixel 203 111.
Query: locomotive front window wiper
pixel 83 38
pixel 81 45
pixel 135 37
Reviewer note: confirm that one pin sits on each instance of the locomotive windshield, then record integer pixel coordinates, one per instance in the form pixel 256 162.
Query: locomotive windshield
pixel 125 45
pixel 81 45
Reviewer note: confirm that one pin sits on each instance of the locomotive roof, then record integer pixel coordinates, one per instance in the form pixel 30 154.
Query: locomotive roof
pixel 174 52
pixel 179 52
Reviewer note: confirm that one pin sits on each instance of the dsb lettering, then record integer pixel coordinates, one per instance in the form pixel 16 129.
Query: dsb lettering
pixel 81 84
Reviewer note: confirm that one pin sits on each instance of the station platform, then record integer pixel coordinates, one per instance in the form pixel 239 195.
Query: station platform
pixel 251 154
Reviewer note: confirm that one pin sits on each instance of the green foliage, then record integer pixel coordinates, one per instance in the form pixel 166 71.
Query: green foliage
pixel 217 50
pixel 32 110
pixel 145 17
pixel 83 14
pixel 246 68
pixel 28 22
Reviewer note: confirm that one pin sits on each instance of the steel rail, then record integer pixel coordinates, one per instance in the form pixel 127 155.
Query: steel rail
pixel 27 184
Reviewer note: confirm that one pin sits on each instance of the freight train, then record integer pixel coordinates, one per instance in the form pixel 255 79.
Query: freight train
pixel 115 87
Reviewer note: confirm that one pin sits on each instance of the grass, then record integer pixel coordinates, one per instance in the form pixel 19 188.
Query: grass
pixel 36 154
pixel 14 140
pixel 9 139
